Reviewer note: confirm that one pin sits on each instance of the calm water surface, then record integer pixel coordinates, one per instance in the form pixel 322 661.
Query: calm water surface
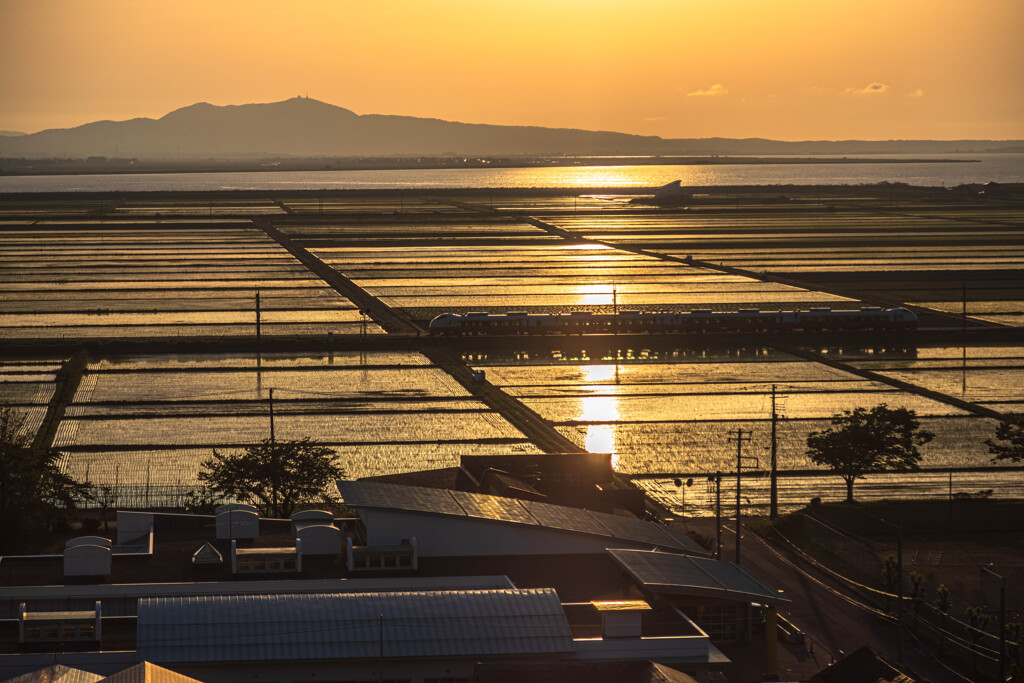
pixel 972 168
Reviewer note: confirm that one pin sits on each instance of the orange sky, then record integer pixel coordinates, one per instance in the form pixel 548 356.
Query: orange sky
pixel 783 69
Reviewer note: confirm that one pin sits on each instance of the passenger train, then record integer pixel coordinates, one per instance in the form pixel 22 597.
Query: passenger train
pixel 692 322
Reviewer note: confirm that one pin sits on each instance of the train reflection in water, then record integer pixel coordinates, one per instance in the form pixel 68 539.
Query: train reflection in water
pixel 744 321
pixel 576 351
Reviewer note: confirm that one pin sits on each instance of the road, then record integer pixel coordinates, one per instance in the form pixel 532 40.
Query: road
pixel 833 618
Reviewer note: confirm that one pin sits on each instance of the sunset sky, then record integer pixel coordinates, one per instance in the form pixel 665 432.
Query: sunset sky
pixel 783 69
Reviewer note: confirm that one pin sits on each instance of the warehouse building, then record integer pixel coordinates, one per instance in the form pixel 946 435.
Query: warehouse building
pixel 428 585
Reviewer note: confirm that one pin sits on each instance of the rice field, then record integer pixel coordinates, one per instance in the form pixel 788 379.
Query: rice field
pixel 143 280
pixel 677 417
pixel 992 376
pixel 538 277
pixel 952 248
pixel 178 267
pixel 28 386
pixel 149 421
pixel 794 492
pixel 380 205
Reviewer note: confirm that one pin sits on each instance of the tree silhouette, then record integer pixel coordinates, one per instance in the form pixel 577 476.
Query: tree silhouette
pixel 862 441
pixel 943 603
pixel 279 475
pixel 34 492
pixel 1011 431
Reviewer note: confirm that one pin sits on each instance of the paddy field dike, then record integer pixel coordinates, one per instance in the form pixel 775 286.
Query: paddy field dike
pixel 139 332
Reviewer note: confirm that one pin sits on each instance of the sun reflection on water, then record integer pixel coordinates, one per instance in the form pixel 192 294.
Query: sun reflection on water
pixel 602 176
pixel 598 294
pixel 600 438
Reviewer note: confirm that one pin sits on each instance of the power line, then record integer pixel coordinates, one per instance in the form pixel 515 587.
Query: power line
pixel 740 440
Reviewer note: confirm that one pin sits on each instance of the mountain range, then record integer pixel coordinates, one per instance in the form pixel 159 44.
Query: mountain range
pixel 304 127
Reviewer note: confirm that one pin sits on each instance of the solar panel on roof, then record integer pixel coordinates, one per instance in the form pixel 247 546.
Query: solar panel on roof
pixel 418 499
pixel 364 494
pixel 569 519
pixel 734 576
pixel 683 574
pixel 684 541
pixel 493 507
pixel 635 529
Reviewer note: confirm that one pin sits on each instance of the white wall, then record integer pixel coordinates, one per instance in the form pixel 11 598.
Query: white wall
pixel 439 536
pixel 667 649
pixel 131 526
pixel 320 540
pixel 87 560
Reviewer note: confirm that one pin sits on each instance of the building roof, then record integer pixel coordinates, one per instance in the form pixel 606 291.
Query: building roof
pixel 147 672
pixel 285 627
pixel 58 673
pixel 685 575
pixel 207 554
pixel 630 671
pixel 378 496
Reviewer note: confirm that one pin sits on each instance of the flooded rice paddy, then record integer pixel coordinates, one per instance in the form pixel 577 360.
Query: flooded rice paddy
pixel 129 280
pixel 677 418
pixel 28 386
pixel 882 241
pixel 135 417
pixel 166 268
pixel 551 278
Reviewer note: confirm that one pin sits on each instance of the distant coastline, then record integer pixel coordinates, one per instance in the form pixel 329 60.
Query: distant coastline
pixel 115 166
pixel 519 172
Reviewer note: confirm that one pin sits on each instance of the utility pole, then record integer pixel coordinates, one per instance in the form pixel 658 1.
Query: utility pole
pixel 899 586
pixel 949 521
pixel 380 651
pixel 963 308
pixel 963 372
pixel 740 438
pixel 773 509
pixel 271 416
pixel 1002 615
pixel 717 479
pixel 259 335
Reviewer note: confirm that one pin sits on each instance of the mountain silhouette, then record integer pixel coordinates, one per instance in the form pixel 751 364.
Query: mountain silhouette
pixel 303 127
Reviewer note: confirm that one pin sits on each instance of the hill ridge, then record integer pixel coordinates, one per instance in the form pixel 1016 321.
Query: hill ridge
pixel 307 127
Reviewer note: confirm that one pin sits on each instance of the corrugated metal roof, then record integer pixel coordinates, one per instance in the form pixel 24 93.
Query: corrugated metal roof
pixel 147 672
pixel 58 673
pixel 376 495
pixel 685 575
pixel 286 627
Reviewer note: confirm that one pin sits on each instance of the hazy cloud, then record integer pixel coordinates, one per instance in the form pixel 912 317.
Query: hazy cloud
pixel 713 91
pixel 917 93
pixel 656 118
pixel 870 89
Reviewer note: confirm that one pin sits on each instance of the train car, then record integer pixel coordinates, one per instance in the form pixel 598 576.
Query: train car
pixel 700 321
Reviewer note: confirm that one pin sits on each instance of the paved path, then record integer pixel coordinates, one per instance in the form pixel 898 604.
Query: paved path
pixel 381 313
pixel 536 428
pixel 834 619
pixel 532 425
